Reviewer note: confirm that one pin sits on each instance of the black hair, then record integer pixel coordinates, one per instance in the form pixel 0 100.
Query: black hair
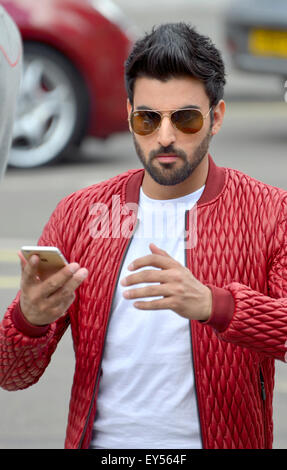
pixel 174 50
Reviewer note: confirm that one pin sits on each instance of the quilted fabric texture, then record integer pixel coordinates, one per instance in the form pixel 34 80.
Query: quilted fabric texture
pixel 241 252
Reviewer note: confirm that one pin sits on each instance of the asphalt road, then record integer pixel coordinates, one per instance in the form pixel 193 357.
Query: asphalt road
pixel 253 140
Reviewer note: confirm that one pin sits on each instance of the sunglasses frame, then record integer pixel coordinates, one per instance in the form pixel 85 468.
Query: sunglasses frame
pixel 167 113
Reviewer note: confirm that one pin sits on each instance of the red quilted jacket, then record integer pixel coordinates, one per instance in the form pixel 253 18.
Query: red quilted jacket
pixel 241 253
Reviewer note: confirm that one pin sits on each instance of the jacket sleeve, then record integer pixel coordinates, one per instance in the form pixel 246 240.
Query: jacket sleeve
pixel 26 350
pixel 252 319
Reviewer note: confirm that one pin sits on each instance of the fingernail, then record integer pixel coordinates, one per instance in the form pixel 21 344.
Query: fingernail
pixel 34 260
pixel 73 267
pixel 131 266
pixel 83 273
pixel 124 282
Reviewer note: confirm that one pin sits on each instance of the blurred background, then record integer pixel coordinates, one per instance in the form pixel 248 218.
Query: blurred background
pixel 71 131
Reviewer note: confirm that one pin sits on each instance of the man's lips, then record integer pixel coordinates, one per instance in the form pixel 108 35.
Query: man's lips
pixel 167 158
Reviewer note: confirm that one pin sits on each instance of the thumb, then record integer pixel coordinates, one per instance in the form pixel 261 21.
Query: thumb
pixel 30 269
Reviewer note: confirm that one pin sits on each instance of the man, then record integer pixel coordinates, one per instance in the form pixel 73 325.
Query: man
pixel 175 324
pixel 10 75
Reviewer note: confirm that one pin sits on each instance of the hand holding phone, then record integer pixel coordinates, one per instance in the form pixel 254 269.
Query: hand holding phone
pixel 48 284
pixel 50 258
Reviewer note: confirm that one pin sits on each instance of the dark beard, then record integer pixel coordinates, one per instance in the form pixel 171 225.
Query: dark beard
pixel 166 175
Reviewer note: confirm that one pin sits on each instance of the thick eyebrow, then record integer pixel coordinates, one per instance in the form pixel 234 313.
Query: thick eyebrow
pixel 148 108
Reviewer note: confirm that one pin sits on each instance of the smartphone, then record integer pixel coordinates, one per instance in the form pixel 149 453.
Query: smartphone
pixel 51 258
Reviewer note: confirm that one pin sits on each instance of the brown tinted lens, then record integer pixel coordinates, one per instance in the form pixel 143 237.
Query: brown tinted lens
pixel 145 122
pixel 188 121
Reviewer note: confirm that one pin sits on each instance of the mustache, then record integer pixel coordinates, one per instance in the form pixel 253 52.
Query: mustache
pixel 167 150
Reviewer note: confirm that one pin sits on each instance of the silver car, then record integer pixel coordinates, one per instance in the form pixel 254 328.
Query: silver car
pixel 10 77
pixel 256 36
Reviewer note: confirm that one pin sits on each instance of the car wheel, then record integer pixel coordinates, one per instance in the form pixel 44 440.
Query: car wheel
pixel 52 109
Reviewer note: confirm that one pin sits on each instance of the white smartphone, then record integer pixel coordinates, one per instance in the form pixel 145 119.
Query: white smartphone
pixel 51 258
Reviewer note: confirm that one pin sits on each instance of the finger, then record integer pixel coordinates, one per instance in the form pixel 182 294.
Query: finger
pixel 155 260
pixel 65 295
pixel 79 277
pixel 23 261
pixel 159 304
pixel 30 270
pixel 156 250
pixel 57 280
pixel 148 291
pixel 145 276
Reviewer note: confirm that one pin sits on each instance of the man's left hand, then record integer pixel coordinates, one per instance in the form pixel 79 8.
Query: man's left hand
pixel 179 290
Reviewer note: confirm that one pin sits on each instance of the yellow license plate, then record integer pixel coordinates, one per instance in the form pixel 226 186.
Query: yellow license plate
pixel 268 43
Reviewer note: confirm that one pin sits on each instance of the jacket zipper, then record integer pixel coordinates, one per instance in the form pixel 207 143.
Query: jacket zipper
pixel 263 398
pixel 191 344
pixel 109 317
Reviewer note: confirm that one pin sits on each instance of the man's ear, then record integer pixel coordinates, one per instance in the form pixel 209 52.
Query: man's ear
pixel 129 107
pixel 129 110
pixel 218 113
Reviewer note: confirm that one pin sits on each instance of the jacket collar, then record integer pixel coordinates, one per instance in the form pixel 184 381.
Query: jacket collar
pixel 213 187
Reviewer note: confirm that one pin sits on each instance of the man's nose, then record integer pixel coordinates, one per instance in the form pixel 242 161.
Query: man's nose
pixel 166 134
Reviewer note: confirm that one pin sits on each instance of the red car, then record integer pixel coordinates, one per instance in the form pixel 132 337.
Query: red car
pixel 73 77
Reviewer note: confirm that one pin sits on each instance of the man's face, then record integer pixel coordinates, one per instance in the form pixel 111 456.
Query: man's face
pixel 169 155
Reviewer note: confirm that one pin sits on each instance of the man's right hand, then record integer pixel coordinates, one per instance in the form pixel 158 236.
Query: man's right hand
pixel 43 301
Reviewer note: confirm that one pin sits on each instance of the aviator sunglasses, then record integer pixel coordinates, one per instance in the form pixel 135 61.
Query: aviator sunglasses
pixel 147 121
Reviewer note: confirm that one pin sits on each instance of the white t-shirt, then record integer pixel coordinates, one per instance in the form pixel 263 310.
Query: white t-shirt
pixel 146 395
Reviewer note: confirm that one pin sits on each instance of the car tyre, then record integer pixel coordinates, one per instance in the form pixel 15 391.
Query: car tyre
pixel 53 108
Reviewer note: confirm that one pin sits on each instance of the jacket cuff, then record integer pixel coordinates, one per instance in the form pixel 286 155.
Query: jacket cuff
pixel 223 307
pixel 24 326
